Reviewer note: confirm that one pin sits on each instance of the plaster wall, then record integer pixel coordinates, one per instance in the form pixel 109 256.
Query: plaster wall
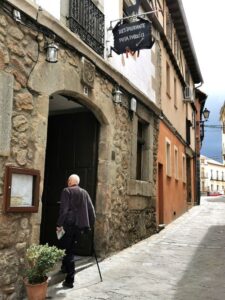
pixel 174 189
pixel 51 6
pixel 140 70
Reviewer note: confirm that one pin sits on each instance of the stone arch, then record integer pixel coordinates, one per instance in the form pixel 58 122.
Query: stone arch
pixel 65 80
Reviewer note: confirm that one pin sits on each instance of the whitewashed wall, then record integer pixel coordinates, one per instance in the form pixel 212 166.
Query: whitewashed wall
pixel 139 70
pixel 51 6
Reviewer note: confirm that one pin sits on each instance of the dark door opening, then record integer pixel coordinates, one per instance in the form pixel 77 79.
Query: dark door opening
pixel 160 195
pixel 189 179
pixel 72 147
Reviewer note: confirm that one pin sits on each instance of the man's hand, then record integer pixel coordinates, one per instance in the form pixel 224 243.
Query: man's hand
pixel 58 229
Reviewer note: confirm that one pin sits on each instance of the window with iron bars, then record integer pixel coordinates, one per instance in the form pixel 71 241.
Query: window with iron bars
pixel 86 20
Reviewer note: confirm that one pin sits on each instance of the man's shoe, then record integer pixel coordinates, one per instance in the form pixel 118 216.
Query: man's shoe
pixel 67 284
pixel 63 269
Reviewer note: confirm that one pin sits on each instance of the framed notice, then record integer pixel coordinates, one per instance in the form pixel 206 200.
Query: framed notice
pixel 21 190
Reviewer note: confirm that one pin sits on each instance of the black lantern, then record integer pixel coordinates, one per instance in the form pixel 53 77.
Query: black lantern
pixel 206 113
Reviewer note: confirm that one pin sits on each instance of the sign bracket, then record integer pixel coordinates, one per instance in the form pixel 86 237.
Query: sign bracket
pixel 132 17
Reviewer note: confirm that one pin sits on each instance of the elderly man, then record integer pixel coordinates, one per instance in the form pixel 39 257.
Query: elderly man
pixel 76 212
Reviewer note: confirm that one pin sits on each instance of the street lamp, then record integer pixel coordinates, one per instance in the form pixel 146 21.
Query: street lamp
pixel 206 113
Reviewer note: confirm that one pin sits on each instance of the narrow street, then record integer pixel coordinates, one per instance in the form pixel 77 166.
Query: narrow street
pixel 185 261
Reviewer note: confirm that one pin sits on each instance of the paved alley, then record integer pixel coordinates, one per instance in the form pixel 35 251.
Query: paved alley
pixel 185 261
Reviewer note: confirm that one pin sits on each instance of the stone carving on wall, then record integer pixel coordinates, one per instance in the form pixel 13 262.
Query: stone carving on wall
pixel 6 99
pixel 88 73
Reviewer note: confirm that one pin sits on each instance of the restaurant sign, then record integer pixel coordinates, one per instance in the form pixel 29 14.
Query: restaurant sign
pixel 132 36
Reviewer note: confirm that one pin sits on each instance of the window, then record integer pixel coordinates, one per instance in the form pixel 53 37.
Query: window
pixel 168 79
pixel 88 22
pixel 184 168
pixel 187 75
pixel 169 28
pixel 175 92
pixel 168 158
pixel 140 149
pixel 176 163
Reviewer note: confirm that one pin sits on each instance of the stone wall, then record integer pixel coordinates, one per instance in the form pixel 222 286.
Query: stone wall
pixel 18 54
pixel 120 223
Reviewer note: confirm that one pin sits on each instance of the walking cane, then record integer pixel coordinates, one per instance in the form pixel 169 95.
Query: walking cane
pixel 100 275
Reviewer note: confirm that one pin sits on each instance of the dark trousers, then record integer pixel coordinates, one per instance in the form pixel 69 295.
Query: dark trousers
pixel 68 262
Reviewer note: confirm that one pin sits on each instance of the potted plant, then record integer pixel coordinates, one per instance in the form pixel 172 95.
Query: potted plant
pixel 40 259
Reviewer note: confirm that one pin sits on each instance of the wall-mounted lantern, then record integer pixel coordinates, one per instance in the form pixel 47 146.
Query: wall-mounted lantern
pixel 52 52
pixel 117 95
pixel 133 104
pixel 206 113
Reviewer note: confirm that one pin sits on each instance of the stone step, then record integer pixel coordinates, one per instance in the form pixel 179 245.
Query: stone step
pixel 81 263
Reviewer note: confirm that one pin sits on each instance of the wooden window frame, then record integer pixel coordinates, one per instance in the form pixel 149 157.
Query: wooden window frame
pixel 175 92
pixel 176 163
pixel 25 199
pixel 168 80
pixel 184 168
pixel 168 157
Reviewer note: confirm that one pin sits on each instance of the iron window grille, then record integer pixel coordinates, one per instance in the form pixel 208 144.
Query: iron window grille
pixel 86 20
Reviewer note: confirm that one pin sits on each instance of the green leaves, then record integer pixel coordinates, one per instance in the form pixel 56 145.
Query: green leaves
pixel 40 260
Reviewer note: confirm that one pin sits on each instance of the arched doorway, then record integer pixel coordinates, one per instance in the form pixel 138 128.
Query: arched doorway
pixel 72 147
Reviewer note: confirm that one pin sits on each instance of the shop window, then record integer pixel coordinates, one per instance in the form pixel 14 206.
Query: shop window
pixel 141 145
pixel 141 153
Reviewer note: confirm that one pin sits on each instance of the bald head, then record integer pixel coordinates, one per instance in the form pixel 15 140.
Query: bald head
pixel 73 180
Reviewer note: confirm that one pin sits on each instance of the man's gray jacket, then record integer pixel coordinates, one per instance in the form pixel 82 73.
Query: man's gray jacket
pixel 76 208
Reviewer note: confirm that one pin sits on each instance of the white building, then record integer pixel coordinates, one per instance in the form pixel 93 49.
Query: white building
pixel 212 174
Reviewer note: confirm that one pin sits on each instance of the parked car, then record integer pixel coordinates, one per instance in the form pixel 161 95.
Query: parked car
pixel 216 193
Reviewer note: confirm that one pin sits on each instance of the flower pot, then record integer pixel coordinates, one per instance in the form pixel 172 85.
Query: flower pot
pixel 36 291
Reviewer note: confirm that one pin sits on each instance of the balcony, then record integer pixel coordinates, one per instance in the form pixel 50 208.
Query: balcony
pixel 204 175
pixel 86 20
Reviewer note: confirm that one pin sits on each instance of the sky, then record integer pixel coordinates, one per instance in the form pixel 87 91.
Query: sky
pixel 206 22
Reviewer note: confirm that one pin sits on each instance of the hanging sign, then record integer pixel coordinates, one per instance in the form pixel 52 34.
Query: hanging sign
pixel 132 36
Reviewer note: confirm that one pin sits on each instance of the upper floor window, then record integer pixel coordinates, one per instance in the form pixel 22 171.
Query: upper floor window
pixel 168 79
pixel 86 20
pixel 175 92
pixel 169 28
pixel 187 75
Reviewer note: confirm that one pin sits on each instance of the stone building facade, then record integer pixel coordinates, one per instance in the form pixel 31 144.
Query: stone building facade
pixel 34 93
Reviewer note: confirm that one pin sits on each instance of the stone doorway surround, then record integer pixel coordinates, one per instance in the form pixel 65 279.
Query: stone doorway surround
pixel 63 78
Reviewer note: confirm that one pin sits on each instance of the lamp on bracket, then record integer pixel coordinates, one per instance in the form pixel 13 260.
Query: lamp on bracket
pixel 117 95
pixel 52 52
pixel 205 114
pixel 133 107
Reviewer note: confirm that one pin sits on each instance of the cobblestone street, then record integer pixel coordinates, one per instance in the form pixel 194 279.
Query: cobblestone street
pixel 185 261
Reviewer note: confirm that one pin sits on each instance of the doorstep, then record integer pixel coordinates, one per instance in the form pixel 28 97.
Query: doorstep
pixel 81 263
